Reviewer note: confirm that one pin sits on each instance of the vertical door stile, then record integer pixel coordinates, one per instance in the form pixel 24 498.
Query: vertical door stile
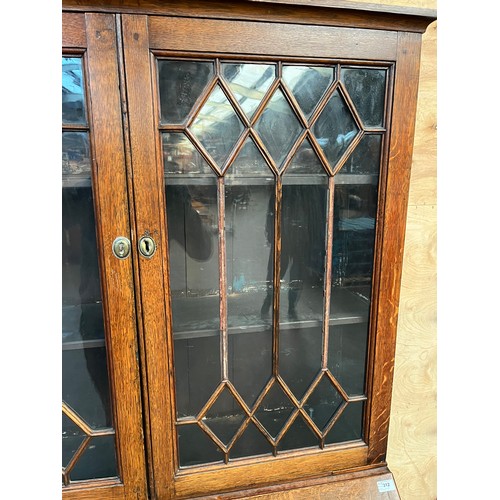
pixel 147 188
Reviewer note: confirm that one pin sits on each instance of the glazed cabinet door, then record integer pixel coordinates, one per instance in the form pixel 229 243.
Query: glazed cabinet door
pixel 102 435
pixel 260 156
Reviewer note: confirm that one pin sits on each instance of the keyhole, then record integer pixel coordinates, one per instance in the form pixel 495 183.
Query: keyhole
pixel 147 246
pixel 121 249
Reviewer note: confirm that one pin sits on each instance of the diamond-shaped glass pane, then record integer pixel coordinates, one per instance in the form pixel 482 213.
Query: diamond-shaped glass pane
pixel 278 127
pixel 335 128
pixel 249 83
pixel 181 158
pixel 305 167
pixel 217 126
pixel 248 165
pixel 308 84
pixel 181 83
pixel 298 436
pixel 225 416
pixel 72 438
pixel 274 410
pixel 366 86
pixel 251 443
pixel 323 403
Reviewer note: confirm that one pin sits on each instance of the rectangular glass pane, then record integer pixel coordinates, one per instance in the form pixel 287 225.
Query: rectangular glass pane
pixel 73 96
pixel 355 211
pixel 192 220
pixel 85 382
pixel 249 222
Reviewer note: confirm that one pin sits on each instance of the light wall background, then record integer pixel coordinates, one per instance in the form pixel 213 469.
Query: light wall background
pixel 412 434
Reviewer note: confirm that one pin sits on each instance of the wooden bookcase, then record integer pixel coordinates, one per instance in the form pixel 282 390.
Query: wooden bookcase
pixel 235 185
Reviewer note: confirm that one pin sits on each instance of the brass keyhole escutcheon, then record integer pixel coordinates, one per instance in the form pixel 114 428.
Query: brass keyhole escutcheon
pixel 121 247
pixel 147 246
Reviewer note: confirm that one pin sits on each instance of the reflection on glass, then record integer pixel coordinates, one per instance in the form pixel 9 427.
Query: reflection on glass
pixel 225 416
pixel 75 157
pixel 192 221
pixel 217 126
pixel 251 443
pixel 308 84
pixel 365 159
pixel 349 426
pixel 249 83
pixel 98 460
pixel 278 127
pixel 298 436
pixel 85 384
pixel 335 128
pixel 73 97
pixel 249 195
pixel 322 404
pixel 181 83
pixel 274 410
pixel 195 447
pixel 303 232
pixel 355 211
pixel 366 86
pixel 72 438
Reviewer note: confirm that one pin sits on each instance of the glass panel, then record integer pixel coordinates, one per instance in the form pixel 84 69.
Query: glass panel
pixel 72 438
pixel 195 447
pixel 366 86
pixel 308 84
pixel 217 126
pixel 365 159
pixel 278 127
pixel 225 416
pixel 192 220
pixel 85 384
pixel 324 401
pixel 298 436
pixel 355 211
pixel 303 232
pixel 98 460
pixel 73 96
pixel 252 442
pixel 249 193
pixel 181 83
pixel 274 410
pixel 249 83
pixel 349 426
pixel 335 128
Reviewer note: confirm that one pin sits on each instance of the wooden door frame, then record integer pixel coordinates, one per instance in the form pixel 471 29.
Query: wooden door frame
pixel 143 37
pixel 94 36
pixel 392 35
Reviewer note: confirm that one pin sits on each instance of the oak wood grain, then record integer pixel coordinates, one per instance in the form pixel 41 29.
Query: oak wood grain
pixel 397 185
pixel 321 12
pixel 73 30
pixel 149 205
pixel 218 36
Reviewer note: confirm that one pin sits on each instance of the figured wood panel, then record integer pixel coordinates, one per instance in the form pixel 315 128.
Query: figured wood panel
pixel 208 35
pixel 412 435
